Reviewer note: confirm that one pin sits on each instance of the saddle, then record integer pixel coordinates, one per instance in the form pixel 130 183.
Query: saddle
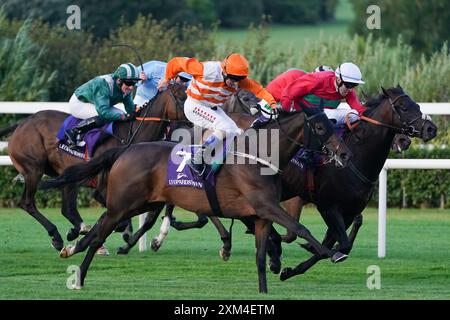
pixel 93 138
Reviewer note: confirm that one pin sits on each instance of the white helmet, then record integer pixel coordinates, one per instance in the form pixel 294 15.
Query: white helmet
pixel 349 72
pixel 323 68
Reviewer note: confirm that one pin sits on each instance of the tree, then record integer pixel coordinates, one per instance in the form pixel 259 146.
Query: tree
pixel 425 24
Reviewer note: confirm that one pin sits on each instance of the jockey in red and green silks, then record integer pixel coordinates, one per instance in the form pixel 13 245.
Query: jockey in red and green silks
pixel 298 90
pixel 94 101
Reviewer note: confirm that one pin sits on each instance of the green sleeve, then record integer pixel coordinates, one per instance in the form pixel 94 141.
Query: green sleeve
pixel 129 104
pixel 103 104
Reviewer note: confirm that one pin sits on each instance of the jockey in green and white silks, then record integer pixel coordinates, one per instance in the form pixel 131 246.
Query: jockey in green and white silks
pixel 94 101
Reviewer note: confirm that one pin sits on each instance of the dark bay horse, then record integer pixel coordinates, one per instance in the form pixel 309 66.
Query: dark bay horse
pixel 342 194
pixel 33 149
pixel 295 205
pixel 242 191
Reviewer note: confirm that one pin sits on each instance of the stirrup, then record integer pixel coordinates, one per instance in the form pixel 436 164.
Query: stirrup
pixel 199 169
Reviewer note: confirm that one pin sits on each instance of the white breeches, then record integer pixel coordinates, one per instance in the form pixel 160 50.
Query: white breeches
pixel 208 118
pixel 340 114
pixel 84 110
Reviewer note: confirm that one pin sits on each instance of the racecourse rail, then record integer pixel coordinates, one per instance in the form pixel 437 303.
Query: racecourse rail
pixel 427 108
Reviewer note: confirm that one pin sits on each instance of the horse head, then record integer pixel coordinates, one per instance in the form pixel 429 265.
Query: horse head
pixel 168 104
pixel 403 115
pixel 323 136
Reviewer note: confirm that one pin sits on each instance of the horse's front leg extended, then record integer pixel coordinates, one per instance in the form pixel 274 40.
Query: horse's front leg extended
pixel 301 268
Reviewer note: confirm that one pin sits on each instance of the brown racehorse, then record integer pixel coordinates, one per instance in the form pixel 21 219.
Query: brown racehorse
pixel 242 191
pixel 33 148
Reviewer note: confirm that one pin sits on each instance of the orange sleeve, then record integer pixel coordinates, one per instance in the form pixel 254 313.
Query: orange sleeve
pixel 180 64
pixel 258 90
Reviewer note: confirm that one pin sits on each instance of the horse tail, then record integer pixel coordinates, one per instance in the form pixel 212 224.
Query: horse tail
pixel 84 171
pixel 6 131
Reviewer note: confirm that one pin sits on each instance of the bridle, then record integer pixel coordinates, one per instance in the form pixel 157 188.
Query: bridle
pixel 132 134
pixel 406 127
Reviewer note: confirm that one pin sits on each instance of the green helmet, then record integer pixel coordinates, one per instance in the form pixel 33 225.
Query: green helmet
pixel 127 71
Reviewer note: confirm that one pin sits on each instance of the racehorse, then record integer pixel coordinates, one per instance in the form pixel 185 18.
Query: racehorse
pixel 295 205
pixel 341 195
pixel 33 149
pixel 244 192
pixel 239 108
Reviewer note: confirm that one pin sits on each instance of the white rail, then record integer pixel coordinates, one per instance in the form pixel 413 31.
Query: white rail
pixel 440 108
pixel 382 193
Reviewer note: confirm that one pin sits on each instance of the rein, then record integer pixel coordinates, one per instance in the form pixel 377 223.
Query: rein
pixel 406 127
pixel 141 120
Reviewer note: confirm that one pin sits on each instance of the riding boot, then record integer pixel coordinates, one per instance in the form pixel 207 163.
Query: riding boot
pixel 74 135
pixel 197 162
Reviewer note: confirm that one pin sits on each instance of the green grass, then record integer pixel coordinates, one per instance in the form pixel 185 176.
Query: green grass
pixel 297 36
pixel 188 266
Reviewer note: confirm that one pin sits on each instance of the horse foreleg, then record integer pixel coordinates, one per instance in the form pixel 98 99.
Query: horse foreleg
pixel 84 242
pixel 357 223
pixel 105 228
pixel 294 208
pixel 272 211
pixel 28 204
pixel 274 250
pixel 70 212
pixel 225 252
pixel 150 220
pixel 180 226
pixel 164 229
pixel 288 272
pixel 262 229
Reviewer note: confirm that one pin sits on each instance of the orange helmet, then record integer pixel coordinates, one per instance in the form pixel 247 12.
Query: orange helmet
pixel 236 65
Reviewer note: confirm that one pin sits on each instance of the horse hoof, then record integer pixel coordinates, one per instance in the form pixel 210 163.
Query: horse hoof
pixel 66 251
pixel 123 250
pixel 155 244
pixel 72 234
pixel 224 254
pixel 85 229
pixel 275 267
pixel 338 257
pixel 286 273
pixel 102 251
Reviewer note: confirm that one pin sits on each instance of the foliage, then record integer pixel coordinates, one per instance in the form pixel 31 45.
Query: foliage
pixel 154 41
pixel 101 17
pixel 423 188
pixel 424 24
pixel 22 77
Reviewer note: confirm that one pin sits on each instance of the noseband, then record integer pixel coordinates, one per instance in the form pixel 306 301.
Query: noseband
pixel 406 128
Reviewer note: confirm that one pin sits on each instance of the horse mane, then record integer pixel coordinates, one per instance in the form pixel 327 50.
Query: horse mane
pixel 375 101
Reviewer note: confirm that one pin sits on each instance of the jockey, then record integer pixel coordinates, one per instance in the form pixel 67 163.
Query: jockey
pixel 154 72
pixel 94 101
pixel 306 92
pixel 212 85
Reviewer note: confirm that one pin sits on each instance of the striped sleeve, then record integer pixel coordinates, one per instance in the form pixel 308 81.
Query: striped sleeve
pixel 182 64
